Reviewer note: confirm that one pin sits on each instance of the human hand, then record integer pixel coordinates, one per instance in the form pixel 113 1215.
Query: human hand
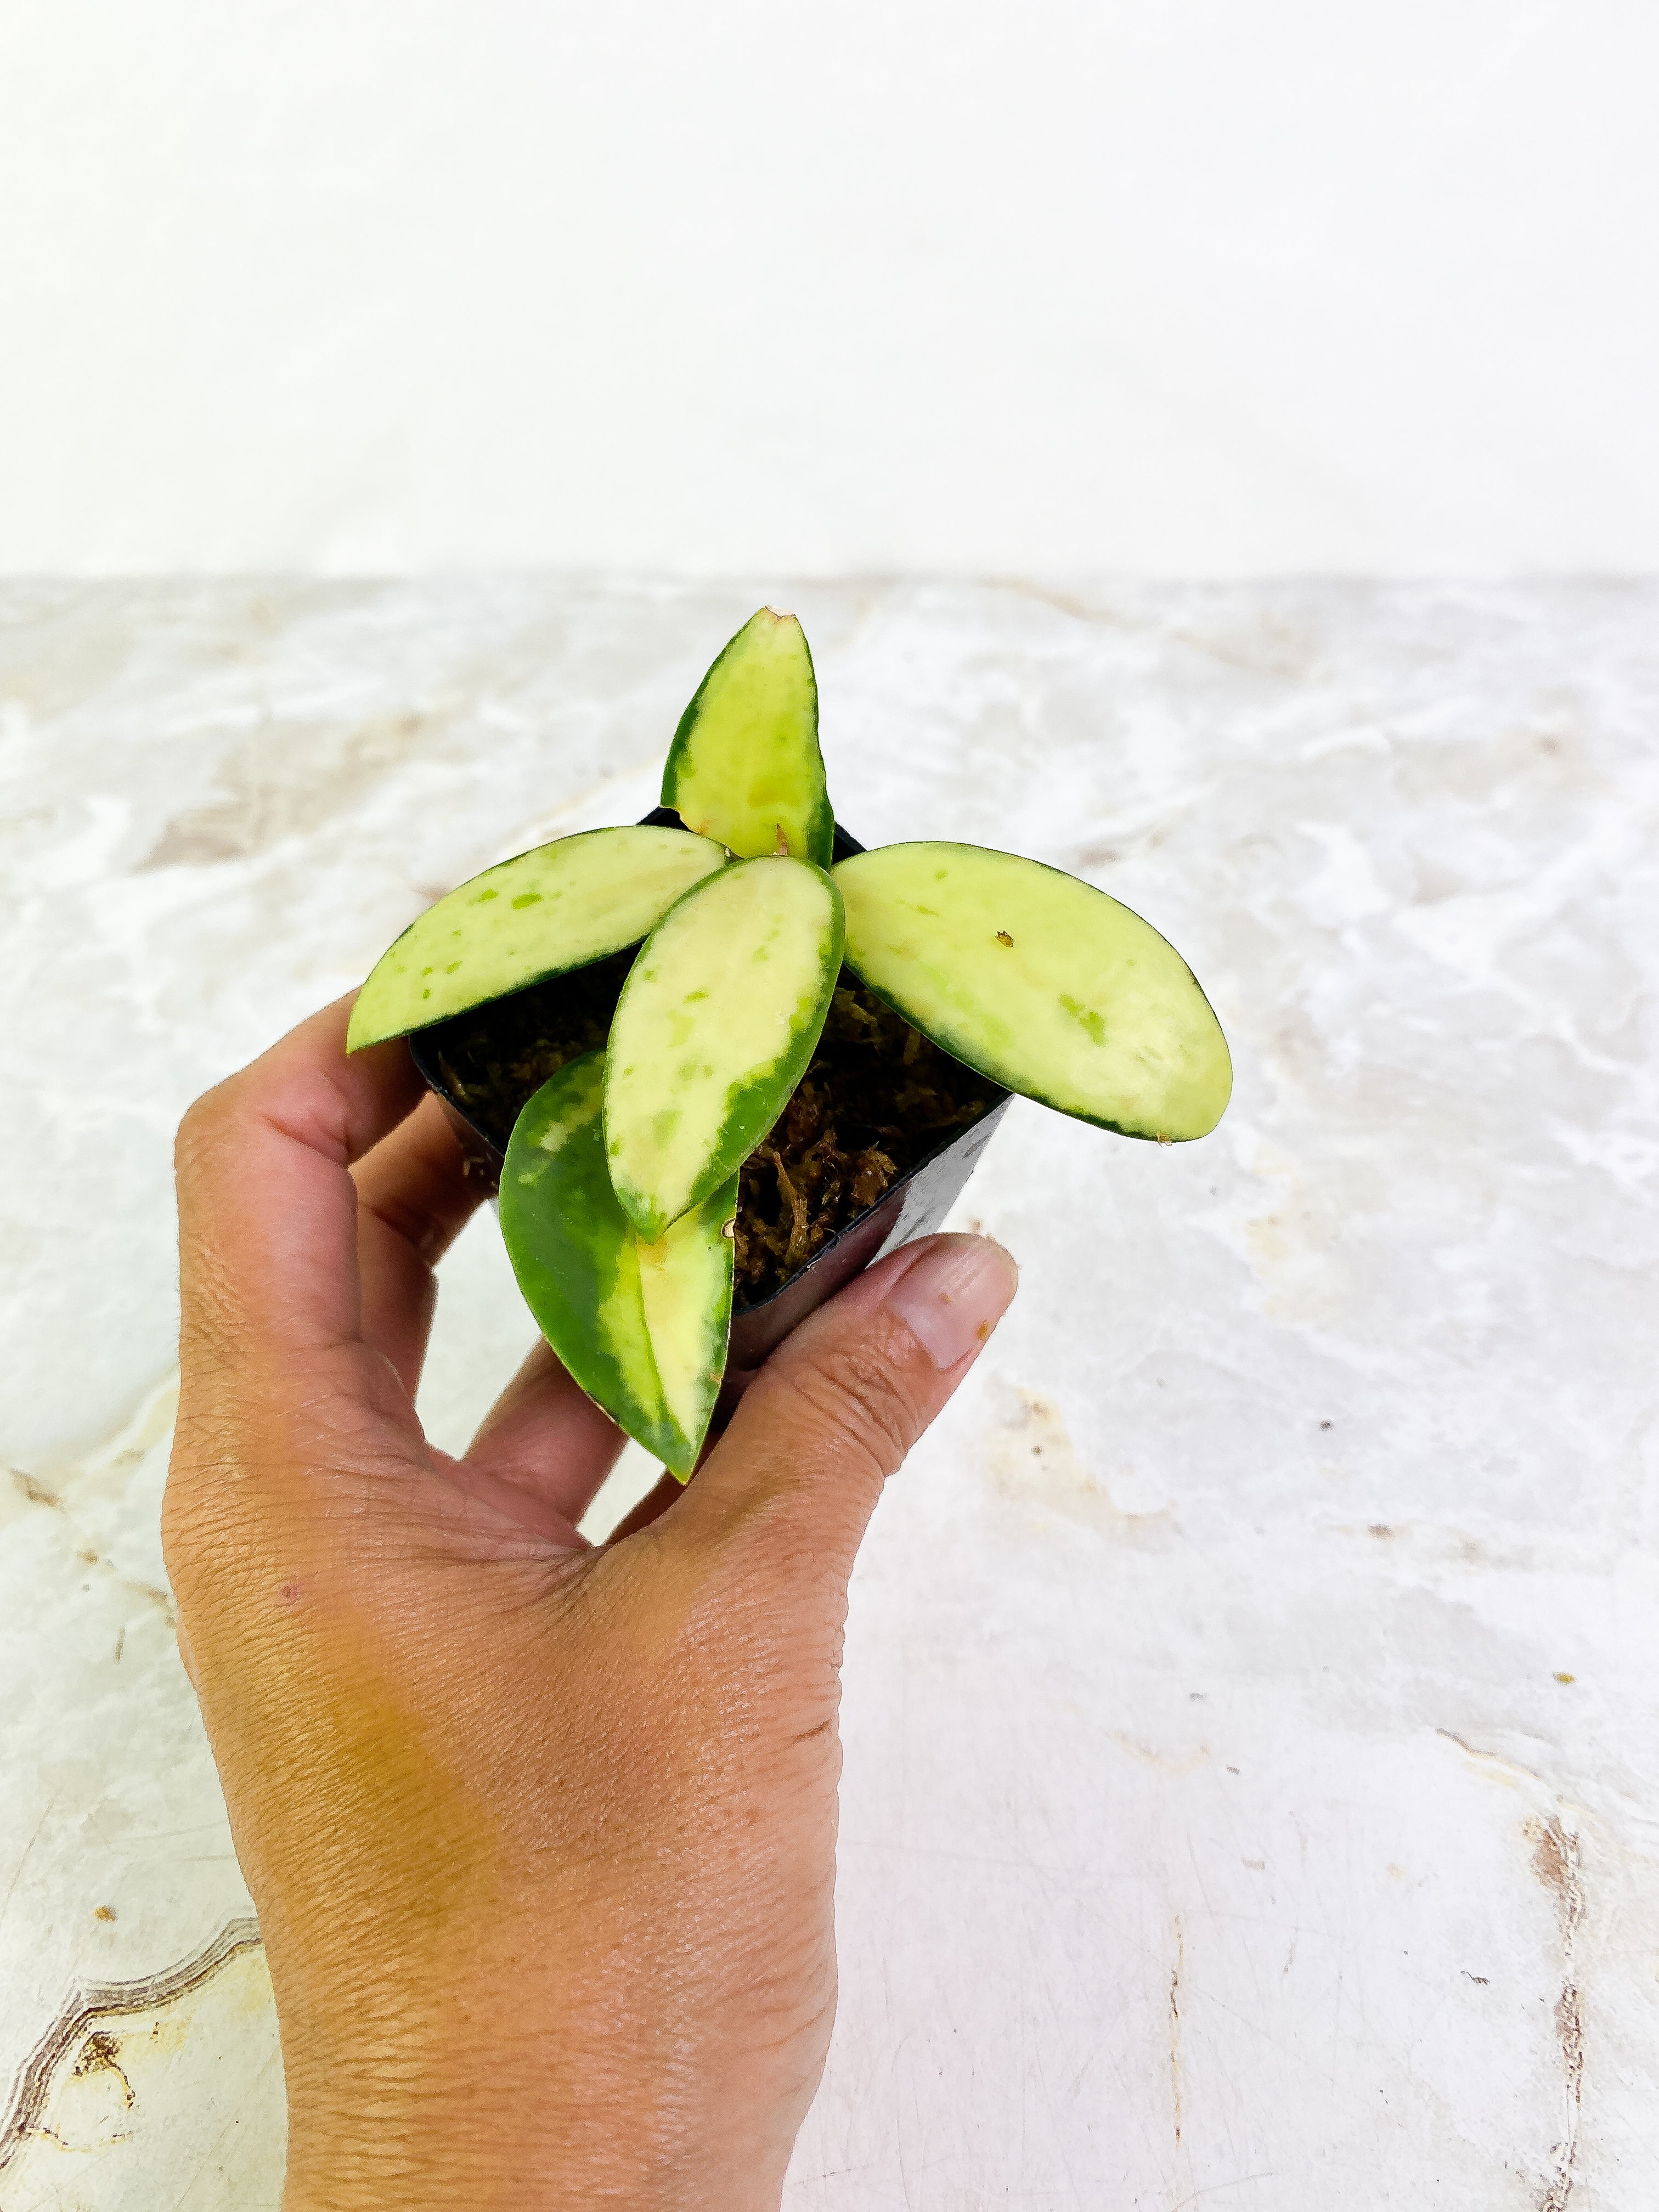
pixel 541 1836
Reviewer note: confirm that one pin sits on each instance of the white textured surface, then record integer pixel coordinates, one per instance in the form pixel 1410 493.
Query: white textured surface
pixel 1217 1826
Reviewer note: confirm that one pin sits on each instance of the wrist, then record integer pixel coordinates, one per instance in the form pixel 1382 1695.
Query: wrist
pixel 421 2131
pixel 467 2097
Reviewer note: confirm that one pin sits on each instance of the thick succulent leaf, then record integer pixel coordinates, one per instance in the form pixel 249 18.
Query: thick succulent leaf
pixel 1041 982
pixel 744 766
pixel 714 1030
pixel 642 1328
pixel 685 1289
pixel 557 908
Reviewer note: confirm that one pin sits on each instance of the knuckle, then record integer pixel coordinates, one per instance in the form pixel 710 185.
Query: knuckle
pixel 193 1532
pixel 850 1392
pixel 213 1320
pixel 181 1524
pixel 203 1132
pixel 205 1118
pixel 214 1331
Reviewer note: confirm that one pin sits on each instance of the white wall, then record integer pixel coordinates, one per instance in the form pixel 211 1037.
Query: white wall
pixel 1208 285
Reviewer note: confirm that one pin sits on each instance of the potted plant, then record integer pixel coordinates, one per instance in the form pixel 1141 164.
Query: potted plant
pixel 717 1061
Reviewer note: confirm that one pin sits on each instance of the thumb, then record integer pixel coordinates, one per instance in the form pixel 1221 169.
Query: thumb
pixel 835 1408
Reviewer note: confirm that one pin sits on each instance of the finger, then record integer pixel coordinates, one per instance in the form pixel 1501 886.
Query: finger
pixel 513 1503
pixel 414 1197
pixel 835 1408
pixel 545 1439
pixel 268 1213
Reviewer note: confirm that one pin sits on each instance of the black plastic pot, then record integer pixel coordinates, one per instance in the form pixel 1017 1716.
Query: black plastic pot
pixel 915 1207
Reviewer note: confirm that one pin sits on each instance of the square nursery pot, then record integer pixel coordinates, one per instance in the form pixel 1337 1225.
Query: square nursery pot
pixel 913 1206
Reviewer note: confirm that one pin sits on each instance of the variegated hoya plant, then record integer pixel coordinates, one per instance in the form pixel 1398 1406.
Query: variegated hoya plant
pixel 619 1194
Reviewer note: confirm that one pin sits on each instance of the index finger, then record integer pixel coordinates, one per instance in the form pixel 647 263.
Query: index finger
pixel 267 1207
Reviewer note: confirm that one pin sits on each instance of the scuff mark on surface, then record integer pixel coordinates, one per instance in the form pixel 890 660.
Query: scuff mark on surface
pixel 1508 1770
pixel 1175 2026
pixel 1556 1862
pixel 36 1491
pixel 1163 1760
pixel 260 801
pixel 79 2023
pixel 1070 603
pixel 1033 1462
pixel 102 2054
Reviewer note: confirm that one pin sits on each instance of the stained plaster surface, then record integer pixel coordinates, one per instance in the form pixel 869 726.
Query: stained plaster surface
pixel 1252 1769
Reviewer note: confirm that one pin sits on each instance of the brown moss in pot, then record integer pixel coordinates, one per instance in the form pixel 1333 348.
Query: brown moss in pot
pixel 876 1098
